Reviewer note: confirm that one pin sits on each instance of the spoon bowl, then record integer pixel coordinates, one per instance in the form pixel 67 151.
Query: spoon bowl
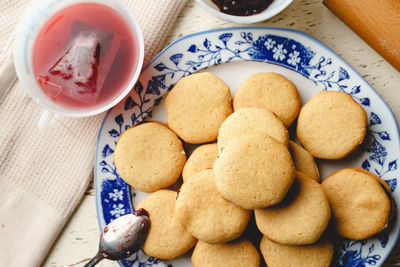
pixel 122 237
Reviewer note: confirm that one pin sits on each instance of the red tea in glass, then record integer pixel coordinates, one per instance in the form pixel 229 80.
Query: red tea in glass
pixel 85 56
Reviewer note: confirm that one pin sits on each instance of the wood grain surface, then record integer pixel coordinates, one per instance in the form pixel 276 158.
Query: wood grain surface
pixel 79 240
pixel 375 21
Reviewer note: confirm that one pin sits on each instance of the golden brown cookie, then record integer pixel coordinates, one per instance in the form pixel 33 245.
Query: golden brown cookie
pixel 303 161
pixel 202 158
pixel 167 238
pixel 250 121
pixel 331 125
pixel 206 214
pixel 254 171
pixel 318 254
pixel 360 203
pixel 301 218
pixel 271 91
pixel 238 253
pixel 196 107
pixel 149 156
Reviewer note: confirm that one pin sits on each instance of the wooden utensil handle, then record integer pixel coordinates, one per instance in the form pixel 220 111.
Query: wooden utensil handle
pixel 375 21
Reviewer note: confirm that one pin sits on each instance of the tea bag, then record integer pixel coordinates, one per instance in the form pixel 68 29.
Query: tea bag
pixel 80 72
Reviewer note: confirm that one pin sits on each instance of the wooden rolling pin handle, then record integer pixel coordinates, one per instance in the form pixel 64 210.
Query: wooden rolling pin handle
pixel 377 22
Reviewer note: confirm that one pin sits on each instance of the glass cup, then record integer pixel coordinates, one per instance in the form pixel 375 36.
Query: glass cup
pixel 26 33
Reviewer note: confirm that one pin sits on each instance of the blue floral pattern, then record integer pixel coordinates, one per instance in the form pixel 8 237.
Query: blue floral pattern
pixel 357 254
pixel 290 49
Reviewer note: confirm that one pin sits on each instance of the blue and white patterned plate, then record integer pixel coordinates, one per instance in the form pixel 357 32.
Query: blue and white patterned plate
pixel 234 54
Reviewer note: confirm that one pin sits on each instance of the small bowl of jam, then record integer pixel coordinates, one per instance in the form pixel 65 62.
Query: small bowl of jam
pixel 244 11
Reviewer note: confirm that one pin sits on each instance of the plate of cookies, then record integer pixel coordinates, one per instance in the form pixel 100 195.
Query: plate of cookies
pixel 250 147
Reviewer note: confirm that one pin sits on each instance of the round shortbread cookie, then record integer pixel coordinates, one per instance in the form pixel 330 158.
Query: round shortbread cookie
pixel 360 201
pixel 206 214
pixel 249 121
pixel 196 107
pixel 167 238
pixel 331 125
pixel 202 158
pixel 149 156
pixel 318 254
pixel 254 171
pixel 303 161
pixel 271 91
pixel 301 218
pixel 238 253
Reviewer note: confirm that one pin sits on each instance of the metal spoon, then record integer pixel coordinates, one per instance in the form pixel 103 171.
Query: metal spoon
pixel 122 237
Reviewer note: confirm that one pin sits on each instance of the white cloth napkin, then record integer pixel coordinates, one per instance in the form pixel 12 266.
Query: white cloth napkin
pixel 43 175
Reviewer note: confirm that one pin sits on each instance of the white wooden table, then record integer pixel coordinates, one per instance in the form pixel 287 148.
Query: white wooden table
pixel 78 242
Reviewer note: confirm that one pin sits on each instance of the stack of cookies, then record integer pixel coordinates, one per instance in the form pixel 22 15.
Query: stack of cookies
pixel 253 168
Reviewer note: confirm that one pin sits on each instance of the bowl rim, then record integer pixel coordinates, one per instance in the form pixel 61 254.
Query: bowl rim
pixel 23 49
pixel 264 15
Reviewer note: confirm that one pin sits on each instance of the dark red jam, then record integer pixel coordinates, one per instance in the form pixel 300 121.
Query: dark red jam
pixel 242 7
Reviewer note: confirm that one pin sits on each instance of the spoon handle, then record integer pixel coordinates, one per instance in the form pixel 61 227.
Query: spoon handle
pixel 96 259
